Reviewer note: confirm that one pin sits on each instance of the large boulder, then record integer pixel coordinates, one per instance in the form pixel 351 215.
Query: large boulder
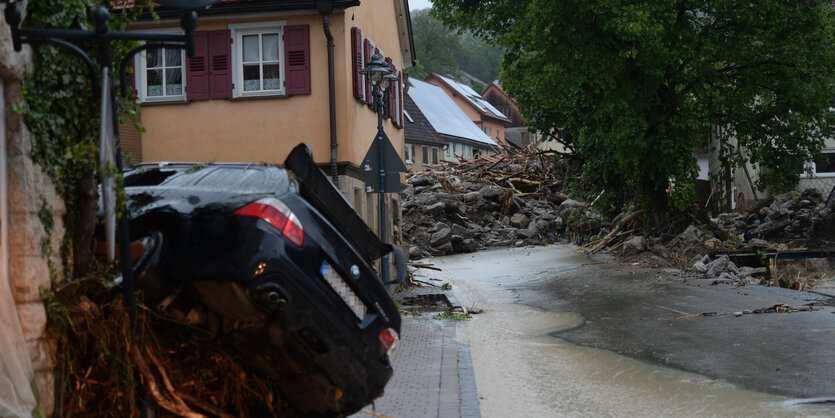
pixel 519 220
pixel 634 245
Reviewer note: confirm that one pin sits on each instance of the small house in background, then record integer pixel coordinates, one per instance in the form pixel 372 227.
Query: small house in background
pixel 489 119
pixel 517 132
pixel 436 126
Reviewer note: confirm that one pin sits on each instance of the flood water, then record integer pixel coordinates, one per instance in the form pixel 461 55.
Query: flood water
pixel 523 371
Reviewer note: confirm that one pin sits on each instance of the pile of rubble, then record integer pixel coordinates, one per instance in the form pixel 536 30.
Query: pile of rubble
pixel 490 201
pixel 518 199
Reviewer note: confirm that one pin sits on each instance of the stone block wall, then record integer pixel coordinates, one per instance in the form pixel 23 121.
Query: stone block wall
pixel 34 252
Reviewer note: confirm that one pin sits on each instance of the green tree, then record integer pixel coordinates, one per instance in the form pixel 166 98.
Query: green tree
pixel 637 85
pixel 437 47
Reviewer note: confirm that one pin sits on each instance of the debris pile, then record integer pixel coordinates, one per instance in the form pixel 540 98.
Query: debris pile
pixel 489 201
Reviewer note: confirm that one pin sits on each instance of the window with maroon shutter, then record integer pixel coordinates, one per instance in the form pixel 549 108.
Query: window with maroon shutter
pixel 390 93
pixel 367 57
pixel 297 59
pixel 356 63
pixel 220 63
pixel 197 69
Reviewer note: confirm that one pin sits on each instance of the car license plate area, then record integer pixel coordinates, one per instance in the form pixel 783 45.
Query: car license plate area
pixel 338 284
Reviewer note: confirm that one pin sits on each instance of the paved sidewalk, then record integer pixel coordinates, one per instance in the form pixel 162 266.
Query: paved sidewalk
pixel 432 373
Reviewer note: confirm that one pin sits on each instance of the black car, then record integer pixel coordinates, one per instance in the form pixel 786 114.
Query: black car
pixel 282 262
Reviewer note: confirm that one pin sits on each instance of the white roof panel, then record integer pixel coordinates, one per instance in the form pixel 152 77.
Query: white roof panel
pixel 473 97
pixel 443 114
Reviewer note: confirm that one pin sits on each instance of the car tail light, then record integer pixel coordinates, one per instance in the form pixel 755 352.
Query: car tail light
pixel 388 339
pixel 278 215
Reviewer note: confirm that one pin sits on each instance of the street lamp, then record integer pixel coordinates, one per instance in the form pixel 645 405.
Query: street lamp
pixel 379 75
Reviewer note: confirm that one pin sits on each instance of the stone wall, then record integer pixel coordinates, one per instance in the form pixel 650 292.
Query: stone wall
pixel 34 252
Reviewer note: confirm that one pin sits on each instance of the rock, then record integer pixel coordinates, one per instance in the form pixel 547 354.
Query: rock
pixel 772 227
pixel 713 244
pixel 447 248
pixel 492 193
pixel 716 267
pixel 519 220
pixel 435 209
pixel 758 243
pixel 421 180
pixel 699 268
pixel 634 245
pixel 440 238
pixel 471 196
pixel 738 313
pixel 414 252
pixel 524 233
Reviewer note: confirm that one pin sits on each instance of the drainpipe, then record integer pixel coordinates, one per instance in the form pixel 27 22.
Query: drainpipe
pixel 325 8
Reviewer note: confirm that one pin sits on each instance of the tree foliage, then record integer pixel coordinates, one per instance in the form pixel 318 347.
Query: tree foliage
pixel 441 50
pixel 637 86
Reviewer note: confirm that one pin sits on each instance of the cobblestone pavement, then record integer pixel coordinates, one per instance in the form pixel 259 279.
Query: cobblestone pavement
pixel 428 381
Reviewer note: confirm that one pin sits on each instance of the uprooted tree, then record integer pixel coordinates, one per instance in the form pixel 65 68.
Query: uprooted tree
pixel 636 87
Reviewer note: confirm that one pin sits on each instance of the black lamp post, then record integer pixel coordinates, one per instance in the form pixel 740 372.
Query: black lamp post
pixel 379 75
pixel 109 150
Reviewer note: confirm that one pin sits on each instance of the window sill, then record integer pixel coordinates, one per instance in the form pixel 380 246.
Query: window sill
pixel 261 96
pixel 156 102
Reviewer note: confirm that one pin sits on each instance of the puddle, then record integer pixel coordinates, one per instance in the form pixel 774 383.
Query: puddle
pixel 521 370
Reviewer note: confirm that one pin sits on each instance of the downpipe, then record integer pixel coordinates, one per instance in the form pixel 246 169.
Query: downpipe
pixel 325 7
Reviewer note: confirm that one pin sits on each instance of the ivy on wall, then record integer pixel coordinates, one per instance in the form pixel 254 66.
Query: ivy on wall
pixel 63 113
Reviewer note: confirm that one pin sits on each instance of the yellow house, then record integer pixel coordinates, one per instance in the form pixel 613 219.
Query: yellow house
pixel 268 75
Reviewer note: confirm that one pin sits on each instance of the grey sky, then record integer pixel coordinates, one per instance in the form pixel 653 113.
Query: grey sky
pixel 420 4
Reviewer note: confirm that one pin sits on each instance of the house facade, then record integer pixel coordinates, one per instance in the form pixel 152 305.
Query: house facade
pixel 489 119
pixel 269 75
pixel 436 117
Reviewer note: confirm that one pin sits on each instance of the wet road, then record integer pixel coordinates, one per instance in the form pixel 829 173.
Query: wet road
pixel 563 335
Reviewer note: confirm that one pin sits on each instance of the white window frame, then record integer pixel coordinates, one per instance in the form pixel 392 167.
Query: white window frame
pixel 410 154
pixel 424 155
pixel 436 156
pixel 811 166
pixel 238 31
pixel 448 151
pixel 141 75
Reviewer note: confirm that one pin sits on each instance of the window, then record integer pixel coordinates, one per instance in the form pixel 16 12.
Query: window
pixel 448 151
pixel 424 157
pixel 258 54
pixel 456 149
pixel 162 72
pixel 824 166
pixel 409 154
pixel 435 155
pixel 490 131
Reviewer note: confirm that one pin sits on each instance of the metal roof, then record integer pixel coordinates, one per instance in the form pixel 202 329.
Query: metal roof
pixel 474 98
pixel 443 114
pixel 417 128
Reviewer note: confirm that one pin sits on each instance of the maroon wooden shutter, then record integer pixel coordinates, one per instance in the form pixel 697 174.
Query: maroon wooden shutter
pixel 220 63
pixel 356 62
pixel 297 59
pixel 197 69
pixel 367 52
pixel 390 93
pixel 130 76
pixel 398 100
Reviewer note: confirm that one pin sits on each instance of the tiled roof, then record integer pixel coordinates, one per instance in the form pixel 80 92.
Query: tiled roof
pixel 443 114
